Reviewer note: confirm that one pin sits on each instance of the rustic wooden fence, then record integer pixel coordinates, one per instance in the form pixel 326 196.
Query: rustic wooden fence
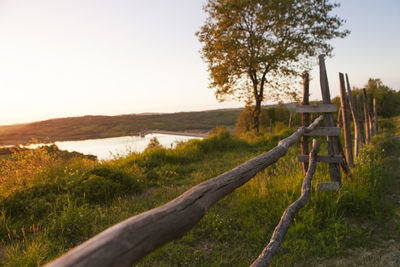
pixel 128 241
pixel 125 243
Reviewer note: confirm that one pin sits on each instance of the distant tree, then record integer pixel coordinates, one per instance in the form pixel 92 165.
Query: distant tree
pixel 154 143
pixel 220 131
pixel 243 123
pixel 251 45
pixel 282 113
pixel 387 99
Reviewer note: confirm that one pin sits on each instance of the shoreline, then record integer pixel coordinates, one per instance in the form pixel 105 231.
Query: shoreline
pixel 193 134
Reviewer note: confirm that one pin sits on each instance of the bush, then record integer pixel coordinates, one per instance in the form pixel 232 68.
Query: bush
pixel 105 182
pixel 154 143
pixel 98 189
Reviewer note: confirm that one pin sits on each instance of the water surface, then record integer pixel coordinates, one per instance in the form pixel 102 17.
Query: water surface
pixel 108 148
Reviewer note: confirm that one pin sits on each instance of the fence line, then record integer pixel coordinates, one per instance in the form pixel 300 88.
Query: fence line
pixel 130 240
pixel 125 243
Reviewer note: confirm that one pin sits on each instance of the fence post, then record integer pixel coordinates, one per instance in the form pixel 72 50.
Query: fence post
pixel 290 120
pixel 366 117
pixel 361 121
pixel 346 122
pixel 376 116
pixel 371 122
pixel 305 118
pixel 333 145
pixel 338 116
pixel 358 136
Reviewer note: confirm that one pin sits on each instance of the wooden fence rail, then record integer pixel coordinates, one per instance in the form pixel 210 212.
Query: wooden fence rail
pixel 274 244
pixel 130 240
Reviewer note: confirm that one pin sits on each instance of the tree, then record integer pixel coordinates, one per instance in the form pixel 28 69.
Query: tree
pixel 250 45
pixel 243 122
pixel 387 99
pixel 153 143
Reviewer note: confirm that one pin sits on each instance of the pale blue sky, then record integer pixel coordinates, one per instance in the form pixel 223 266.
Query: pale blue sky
pixel 62 58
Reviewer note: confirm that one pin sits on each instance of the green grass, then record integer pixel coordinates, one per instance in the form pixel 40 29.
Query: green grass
pixel 50 202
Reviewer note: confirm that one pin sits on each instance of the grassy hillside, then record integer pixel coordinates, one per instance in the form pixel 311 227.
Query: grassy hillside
pixel 50 202
pixel 78 128
pixel 91 127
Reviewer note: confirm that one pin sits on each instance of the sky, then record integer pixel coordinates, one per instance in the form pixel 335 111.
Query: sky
pixel 63 58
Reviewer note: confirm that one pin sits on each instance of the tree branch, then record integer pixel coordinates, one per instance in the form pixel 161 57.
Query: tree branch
pixel 263 79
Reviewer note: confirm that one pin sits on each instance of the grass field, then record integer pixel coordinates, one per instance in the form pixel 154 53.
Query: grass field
pixel 51 201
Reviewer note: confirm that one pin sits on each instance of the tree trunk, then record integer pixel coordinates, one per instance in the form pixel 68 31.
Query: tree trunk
pixel 256 115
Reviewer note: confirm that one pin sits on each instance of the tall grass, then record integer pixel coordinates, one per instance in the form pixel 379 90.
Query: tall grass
pixel 52 202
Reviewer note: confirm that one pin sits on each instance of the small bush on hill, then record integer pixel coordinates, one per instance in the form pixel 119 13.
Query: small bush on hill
pixel 154 143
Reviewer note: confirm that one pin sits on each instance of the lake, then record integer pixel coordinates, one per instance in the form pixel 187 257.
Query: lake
pixel 108 148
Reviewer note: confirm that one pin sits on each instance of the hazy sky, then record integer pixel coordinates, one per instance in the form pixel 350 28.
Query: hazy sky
pixel 61 58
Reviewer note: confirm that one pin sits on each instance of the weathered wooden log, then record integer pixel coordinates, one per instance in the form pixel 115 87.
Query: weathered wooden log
pixel 366 117
pixel 343 164
pixel 357 128
pixel 369 113
pixel 305 118
pixel 346 122
pixel 333 147
pixel 324 131
pixel 375 116
pixel 270 250
pixel 324 108
pixel 361 120
pixel 127 242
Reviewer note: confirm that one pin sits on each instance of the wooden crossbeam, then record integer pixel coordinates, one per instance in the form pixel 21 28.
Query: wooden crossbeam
pixel 324 131
pixel 322 158
pixel 323 108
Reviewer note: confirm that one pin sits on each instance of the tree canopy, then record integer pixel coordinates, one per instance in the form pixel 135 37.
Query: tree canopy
pixel 387 99
pixel 251 45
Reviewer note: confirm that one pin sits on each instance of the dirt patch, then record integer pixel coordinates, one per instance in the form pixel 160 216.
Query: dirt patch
pixel 384 256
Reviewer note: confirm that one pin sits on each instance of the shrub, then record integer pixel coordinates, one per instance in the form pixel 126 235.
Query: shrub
pixel 154 143
pixel 105 182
